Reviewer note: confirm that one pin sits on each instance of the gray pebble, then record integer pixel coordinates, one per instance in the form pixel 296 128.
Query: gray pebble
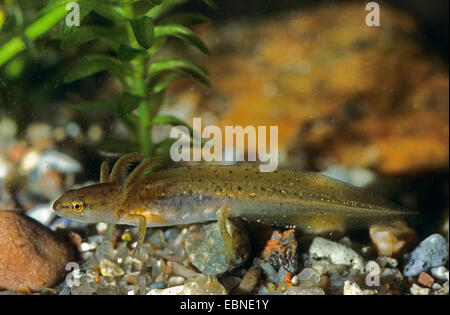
pixel 269 272
pixel 158 285
pixel 431 252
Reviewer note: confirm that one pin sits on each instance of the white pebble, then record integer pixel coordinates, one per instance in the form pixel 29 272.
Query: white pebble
pixel 440 273
pixel 352 288
pixel 176 280
pixel 309 274
pixel 336 253
pixel 416 290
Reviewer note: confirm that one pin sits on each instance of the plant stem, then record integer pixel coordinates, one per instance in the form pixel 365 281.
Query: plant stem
pixel 39 27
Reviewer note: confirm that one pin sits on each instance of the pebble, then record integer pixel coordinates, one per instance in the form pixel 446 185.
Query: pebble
pixel 176 280
pixel 32 256
pixel 184 271
pixel 431 252
pixel 270 272
pixel 304 291
pixel 168 291
pixel 426 280
pixel 203 285
pixel 281 251
pixel 309 274
pixel 230 282
pixel 206 249
pixel 336 282
pixel 282 274
pixel 110 269
pixel 392 240
pixel 417 290
pixel 158 285
pixel 440 273
pixel 42 213
pixel 249 281
pixel 352 288
pixel 336 253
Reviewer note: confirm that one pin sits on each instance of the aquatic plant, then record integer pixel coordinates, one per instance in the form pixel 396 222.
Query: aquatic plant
pixel 132 32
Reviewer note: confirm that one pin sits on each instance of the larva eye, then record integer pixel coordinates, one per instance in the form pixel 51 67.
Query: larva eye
pixel 78 205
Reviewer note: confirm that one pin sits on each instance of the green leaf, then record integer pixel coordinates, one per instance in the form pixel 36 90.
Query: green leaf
pixel 144 31
pixel 140 8
pixel 127 103
pixel 181 66
pixel 117 146
pixel 160 81
pixel 109 9
pixel 158 43
pixel 186 18
pixel 171 120
pixel 94 64
pixel 183 33
pixel 128 53
pixel 51 5
pixel 82 34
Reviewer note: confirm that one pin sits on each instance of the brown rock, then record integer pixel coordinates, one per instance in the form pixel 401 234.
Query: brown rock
pixel 392 240
pixel 249 282
pixel 425 279
pixel 32 256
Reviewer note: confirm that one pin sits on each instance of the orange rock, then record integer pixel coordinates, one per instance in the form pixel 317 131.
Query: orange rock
pixel 32 256
pixel 392 240
pixel 281 250
pixel 425 279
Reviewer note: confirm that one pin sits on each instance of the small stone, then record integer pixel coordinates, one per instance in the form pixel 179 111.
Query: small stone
pixel 249 282
pixel 336 253
pixel 85 246
pixel 168 291
pixel 269 272
pixel 32 256
pixel 431 252
pixel 281 251
pixel 101 227
pixel 417 290
pixel 206 249
pixel 308 274
pixel 42 213
pixel 295 280
pixel 173 281
pixel 444 290
pixel 440 273
pixel 336 282
pixel 158 285
pixel 230 282
pixel 304 291
pixel 282 275
pixel 393 277
pixel 436 286
pixel 184 271
pixel 110 269
pixel 392 240
pixel 425 279
pixel 203 285
pixel 352 288
pixel 171 234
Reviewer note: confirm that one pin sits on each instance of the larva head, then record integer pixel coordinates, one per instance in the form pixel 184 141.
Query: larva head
pixel 95 203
